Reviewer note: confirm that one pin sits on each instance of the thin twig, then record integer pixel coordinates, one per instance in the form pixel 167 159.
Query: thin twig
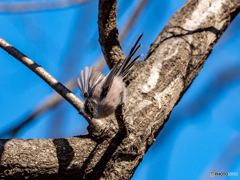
pixel 48 78
pixel 20 7
pixel 97 125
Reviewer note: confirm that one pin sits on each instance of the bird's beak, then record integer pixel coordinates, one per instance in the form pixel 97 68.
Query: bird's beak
pixel 91 117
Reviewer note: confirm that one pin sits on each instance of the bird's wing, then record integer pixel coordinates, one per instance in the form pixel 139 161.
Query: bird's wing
pixel 89 78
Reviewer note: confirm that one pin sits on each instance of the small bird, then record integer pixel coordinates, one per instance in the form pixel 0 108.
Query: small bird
pixel 102 94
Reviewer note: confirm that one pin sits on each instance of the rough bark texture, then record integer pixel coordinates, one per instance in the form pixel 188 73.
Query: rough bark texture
pixel 172 63
pixel 108 32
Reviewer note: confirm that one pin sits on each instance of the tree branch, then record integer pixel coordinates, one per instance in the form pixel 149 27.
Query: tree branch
pixel 108 32
pixel 97 125
pixel 172 63
pixel 20 7
pixel 46 158
pixel 42 73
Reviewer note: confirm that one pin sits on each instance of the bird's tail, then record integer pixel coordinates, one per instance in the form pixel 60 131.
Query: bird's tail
pixel 126 67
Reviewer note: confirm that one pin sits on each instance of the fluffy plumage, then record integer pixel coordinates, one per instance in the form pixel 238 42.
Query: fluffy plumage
pixel 102 94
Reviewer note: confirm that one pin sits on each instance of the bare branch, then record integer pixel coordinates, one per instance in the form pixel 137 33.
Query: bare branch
pixel 172 63
pixel 108 32
pixel 50 80
pixel 20 7
pixel 47 158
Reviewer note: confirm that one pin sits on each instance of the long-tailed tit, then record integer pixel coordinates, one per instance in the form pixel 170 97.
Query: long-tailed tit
pixel 102 94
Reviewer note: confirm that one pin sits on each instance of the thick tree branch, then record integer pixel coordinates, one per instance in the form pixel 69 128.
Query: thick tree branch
pixel 47 158
pixel 173 61
pixel 108 32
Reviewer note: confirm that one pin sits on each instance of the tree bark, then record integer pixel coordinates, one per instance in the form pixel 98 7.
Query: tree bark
pixel 108 32
pixel 157 84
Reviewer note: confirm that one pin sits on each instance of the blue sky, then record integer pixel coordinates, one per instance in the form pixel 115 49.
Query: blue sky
pixel 202 133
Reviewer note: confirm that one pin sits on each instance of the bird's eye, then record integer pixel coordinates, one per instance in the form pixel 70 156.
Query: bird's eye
pixel 91 109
